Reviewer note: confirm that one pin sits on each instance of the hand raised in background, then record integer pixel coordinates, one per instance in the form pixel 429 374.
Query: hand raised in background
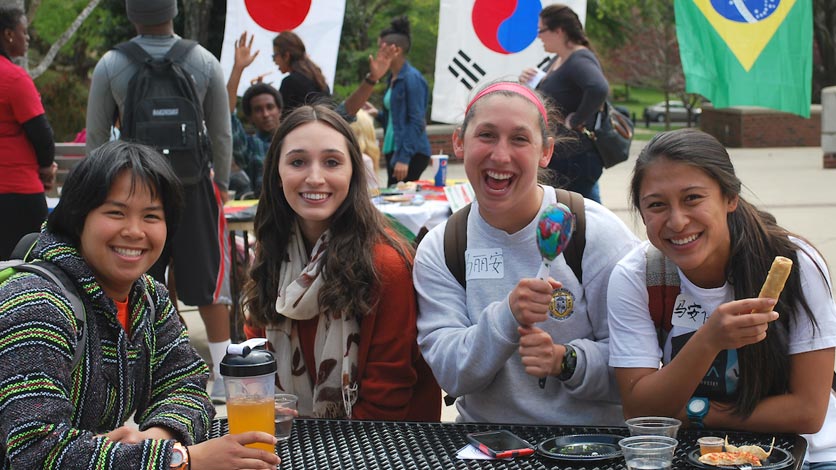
pixel 243 51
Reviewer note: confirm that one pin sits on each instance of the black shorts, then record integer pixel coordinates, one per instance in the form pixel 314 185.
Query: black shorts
pixel 199 251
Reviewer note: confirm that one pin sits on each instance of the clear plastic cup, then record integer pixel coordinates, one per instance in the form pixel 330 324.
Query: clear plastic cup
pixel 648 452
pixel 653 426
pixel 709 444
pixel 285 405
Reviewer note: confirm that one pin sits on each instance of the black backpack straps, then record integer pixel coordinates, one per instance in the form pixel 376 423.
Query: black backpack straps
pixel 24 246
pixel 179 50
pixel 57 276
pixel 134 51
pixel 455 244
pixel 573 254
pixel 455 237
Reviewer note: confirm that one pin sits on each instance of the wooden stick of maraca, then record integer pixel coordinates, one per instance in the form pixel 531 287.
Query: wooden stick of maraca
pixel 554 230
pixel 775 280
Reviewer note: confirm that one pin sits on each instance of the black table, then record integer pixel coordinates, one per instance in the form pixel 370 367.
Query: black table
pixel 345 444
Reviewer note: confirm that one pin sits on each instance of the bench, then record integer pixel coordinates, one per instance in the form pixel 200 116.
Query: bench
pixel 67 155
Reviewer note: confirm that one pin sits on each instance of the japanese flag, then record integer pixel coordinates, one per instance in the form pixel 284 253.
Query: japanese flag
pixel 480 41
pixel 317 22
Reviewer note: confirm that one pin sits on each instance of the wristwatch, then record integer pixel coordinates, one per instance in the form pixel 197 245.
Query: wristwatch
pixel 368 79
pixel 570 362
pixel 697 409
pixel 179 457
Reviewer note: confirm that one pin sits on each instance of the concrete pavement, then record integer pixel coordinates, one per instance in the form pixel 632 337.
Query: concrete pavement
pixel 788 182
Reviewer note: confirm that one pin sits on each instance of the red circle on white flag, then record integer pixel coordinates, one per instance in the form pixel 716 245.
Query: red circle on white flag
pixel 278 15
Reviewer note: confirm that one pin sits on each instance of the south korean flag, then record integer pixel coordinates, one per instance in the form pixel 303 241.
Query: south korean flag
pixel 480 41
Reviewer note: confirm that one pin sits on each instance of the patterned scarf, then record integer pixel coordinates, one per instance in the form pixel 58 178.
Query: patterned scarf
pixel 336 344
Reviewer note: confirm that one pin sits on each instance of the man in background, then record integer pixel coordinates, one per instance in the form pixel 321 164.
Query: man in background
pixel 199 252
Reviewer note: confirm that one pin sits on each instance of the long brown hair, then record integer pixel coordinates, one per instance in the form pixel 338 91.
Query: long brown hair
pixel 756 239
pixel 287 42
pixel 356 227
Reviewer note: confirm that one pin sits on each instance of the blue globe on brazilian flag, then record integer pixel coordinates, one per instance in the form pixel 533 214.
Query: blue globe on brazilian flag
pixel 748 52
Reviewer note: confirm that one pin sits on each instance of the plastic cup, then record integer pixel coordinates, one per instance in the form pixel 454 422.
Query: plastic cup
pixel 285 405
pixel 653 426
pixel 709 444
pixel 648 452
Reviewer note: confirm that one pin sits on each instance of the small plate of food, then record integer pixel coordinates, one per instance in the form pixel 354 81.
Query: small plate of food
pixel 745 456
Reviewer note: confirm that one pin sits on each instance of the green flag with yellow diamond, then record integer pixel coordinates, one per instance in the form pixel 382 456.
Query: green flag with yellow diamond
pixel 748 52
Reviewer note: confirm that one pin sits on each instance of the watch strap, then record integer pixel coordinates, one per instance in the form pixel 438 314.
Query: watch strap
pixel 368 79
pixel 695 417
pixel 570 362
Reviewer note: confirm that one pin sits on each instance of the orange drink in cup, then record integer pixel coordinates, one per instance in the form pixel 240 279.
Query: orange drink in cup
pixel 249 373
pixel 251 415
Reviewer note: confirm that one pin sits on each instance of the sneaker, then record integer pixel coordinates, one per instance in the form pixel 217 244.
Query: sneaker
pixel 216 392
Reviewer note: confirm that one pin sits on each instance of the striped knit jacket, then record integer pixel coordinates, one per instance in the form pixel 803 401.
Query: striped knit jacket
pixel 51 417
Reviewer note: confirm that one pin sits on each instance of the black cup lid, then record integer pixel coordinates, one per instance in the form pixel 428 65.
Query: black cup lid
pixel 248 359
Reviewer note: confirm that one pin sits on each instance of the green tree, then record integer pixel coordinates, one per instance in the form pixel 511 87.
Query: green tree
pixel 364 19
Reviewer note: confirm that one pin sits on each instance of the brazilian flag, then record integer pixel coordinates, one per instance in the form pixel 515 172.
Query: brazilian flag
pixel 748 52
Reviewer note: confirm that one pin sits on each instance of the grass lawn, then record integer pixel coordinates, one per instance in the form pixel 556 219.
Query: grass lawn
pixel 639 99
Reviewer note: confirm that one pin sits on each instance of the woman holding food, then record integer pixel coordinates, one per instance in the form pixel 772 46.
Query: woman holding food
pixel 706 258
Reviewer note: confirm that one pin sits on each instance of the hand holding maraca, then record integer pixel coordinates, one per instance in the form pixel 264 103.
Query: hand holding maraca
pixel 554 230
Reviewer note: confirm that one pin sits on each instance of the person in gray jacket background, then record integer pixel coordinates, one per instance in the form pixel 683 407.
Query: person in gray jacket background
pixel 199 252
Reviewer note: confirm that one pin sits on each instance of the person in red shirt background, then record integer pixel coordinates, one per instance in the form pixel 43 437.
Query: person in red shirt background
pixel 27 147
pixel 331 284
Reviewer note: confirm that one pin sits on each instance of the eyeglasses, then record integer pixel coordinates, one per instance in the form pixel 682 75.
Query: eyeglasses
pixel 542 30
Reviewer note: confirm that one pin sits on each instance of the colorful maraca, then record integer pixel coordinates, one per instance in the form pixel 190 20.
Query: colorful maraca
pixel 554 230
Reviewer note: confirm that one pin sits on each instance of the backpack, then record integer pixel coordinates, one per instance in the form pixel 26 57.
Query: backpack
pixel 19 261
pixel 455 237
pixel 663 286
pixel 162 109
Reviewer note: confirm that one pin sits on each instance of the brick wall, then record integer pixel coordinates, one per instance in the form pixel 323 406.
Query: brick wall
pixel 441 139
pixel 745 126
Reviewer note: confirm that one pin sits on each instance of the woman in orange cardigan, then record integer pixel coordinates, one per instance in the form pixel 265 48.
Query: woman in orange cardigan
pixel 331 285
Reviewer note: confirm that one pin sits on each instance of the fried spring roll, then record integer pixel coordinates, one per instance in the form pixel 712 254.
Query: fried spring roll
pixel 775 280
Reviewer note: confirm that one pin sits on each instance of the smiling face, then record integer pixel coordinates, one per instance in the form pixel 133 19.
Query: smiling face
pixel 502 148
pixel 685 214
pixel 315 173
pixel 264 113
pixel 124 236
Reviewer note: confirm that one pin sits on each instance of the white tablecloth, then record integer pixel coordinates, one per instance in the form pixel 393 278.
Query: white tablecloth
pixel 429 214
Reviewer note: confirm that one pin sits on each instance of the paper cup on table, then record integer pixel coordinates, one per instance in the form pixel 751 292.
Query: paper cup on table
pixel 285 404
pixel 648 452
pixel 653 426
